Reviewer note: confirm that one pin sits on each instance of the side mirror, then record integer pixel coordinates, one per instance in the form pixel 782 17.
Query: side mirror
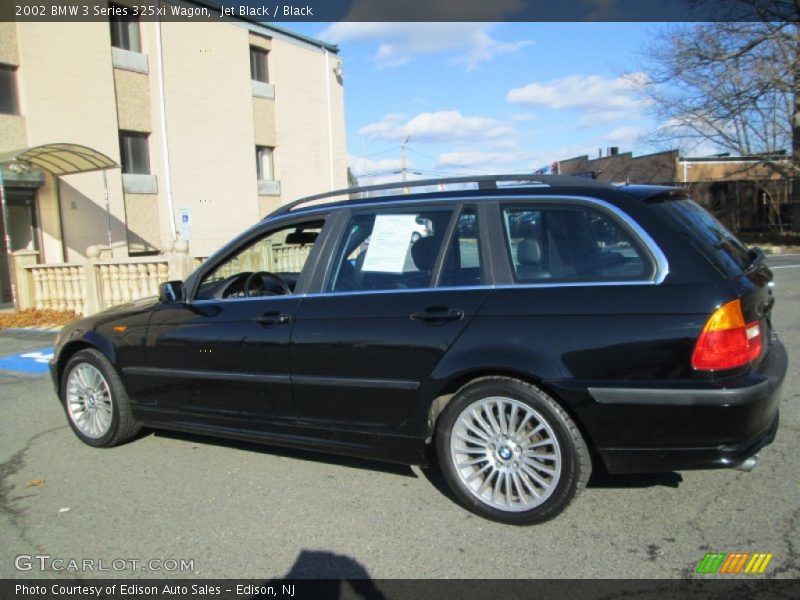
pixel 170 292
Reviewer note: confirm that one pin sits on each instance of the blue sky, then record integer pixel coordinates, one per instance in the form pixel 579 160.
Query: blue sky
pixel 482 97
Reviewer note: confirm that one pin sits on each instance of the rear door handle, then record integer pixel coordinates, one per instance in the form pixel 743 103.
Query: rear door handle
pixel 438 314
pixel 273 318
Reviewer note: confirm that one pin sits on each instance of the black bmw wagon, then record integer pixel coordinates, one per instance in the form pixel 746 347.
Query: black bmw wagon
pixel 516 332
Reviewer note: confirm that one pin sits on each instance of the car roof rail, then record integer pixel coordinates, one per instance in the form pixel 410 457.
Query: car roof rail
pixel 482 182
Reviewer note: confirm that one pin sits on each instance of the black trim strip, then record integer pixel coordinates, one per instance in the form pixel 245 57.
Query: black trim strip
pixel 682 397
pixel 214 375
pixel 392 384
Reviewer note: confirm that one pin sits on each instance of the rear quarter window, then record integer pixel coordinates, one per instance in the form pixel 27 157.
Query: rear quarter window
pixel 705 233
pixel 549 244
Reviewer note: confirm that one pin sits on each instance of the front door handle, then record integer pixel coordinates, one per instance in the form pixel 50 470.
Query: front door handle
pixel 438 314
pixel 273 318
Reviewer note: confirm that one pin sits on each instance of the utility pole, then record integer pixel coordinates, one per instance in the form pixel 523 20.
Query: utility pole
pixel 404 170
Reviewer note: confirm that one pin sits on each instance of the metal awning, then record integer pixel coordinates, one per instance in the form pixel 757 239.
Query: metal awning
pixel 60 159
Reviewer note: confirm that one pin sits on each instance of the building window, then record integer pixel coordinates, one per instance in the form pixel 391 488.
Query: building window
pixel 134 153
pixel 125 31
pixel 9 103
pixel 258 64
pixel 264 165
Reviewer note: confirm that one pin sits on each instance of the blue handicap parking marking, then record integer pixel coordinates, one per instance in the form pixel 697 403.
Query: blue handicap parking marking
pixel 34 361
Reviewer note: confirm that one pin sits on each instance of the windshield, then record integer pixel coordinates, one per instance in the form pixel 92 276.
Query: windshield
pixel 707 234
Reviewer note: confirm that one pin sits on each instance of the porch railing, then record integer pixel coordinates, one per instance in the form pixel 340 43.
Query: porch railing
pixel 98 283
pixel 95 284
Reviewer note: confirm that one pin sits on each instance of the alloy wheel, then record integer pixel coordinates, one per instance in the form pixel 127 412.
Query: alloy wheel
pixel 505 453
pixel 89 402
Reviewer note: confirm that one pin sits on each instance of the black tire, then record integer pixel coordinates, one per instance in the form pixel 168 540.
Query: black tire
pixel 123 426
pixel 574 458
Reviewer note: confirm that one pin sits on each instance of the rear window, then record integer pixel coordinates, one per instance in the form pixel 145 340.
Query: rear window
pixel 706 234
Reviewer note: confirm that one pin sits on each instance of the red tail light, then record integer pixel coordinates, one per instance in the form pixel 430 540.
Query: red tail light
pixel 726 341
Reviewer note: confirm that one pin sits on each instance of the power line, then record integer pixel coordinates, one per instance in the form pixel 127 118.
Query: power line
pixel 392 149
pixel 443 162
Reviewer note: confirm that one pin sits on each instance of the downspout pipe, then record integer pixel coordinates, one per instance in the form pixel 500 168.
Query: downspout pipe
pixel 330 117
pixel 7 237
pixel 164 136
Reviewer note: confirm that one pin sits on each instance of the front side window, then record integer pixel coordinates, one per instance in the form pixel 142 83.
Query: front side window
pixel 390 250
pixel 9 103
pixel 134 152
pixel 125 30
pixel 552 244
pixel 258 64
pixel 264 166
pixel 269 266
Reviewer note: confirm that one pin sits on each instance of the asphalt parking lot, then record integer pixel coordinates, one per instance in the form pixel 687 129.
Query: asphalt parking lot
pixel 247 511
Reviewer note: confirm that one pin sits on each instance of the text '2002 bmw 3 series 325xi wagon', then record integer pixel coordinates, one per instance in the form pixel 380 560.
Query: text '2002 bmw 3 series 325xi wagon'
pixel 514 332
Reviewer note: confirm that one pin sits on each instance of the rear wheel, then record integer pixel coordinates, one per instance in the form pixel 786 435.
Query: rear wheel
pixel 510 453
pixel 96 403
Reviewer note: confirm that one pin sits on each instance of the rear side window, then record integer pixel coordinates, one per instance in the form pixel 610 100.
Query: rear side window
pixel 554 244
pixel 462 264
pixel 706 234
pixel 389 250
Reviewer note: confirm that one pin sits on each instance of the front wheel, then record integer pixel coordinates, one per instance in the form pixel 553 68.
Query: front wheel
pixel 95 400
pixel 510 453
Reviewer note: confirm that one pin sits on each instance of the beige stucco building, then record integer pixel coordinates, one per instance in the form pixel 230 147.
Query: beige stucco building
pixel 214 123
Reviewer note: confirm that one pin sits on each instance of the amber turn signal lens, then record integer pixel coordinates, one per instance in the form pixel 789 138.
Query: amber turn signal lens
pixel 726 342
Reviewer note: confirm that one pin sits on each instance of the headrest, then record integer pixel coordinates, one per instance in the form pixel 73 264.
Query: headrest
pixel 424 252
pixel 529 252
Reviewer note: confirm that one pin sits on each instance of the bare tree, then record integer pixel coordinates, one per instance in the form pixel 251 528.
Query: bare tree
pixel 734 84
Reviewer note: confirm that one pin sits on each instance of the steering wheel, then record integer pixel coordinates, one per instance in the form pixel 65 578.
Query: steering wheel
pixel 260 275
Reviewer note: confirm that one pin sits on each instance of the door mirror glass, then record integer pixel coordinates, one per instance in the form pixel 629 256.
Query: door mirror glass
pixel 170 292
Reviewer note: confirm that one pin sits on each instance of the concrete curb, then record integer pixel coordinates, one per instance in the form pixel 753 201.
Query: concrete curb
pixel 54 329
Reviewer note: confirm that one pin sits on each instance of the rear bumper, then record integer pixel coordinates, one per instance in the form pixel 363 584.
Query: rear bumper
pixel 646 460
pixel 690 426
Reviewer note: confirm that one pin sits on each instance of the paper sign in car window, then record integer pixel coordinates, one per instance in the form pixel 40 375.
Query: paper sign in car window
pixel 388 244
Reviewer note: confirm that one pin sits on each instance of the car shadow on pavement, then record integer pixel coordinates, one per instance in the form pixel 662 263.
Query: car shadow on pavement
pixel 602 479
pixel 319 457
pixel 334 576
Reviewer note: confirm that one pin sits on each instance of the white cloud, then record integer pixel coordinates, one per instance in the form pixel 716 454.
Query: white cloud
pixel 624 136
pixel 474 158
pixel 384 128
pixel 436 127
pixel 593 118
pixel 502 144
pixel 398 43
pixel 483 47
pixel 591 92
pixel 362 166
pixel 488 161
